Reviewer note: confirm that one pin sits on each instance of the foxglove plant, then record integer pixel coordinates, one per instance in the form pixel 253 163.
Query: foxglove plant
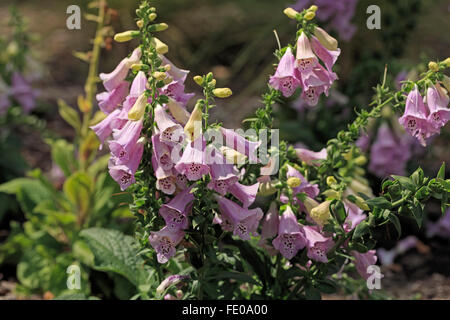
pixel 193 196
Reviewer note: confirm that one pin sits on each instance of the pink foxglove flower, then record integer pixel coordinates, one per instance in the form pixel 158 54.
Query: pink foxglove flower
pixel 162 153
pixel 125 140
pixel 109 100
pixel 170 131
pixel 176 73
pixel 311 190
pixel 170 281
pixel 176 211
pixel 137 88
pixel 175 90
pixel 245 194
pixel 328 57
pixel 317 244
pixel 192 163
pixel 285 78
pixel 242 145
pixel 123 174
pixel 23 93
pixel 415 118
pixel 166 181
pixel 223 175
pixel 316 81
pixel 290 237
pixel 437 101
pixel 164 242
pixel 306 59
pixel 115 78
pixel 104 128
pixel 270 225
pixel 364 260
pixel 389 153
pixel 311 157
pixel 241 221
pixel 354 216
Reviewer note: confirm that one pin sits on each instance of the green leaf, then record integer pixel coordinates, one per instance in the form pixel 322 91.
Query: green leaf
pixel 116 252
pixel 69 114
pixel 441 172
pixel 396 222
pixel 405 182
pixel 379 202
pixel 361 229
pixel 63 155
pixel 238 276
pixel 78 189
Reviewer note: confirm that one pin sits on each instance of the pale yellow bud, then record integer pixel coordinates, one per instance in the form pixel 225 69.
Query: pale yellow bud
pixel 331 180
pixel 158 27
pixel 310 15
pixel 159 75
pixel 325 39
pixel 127 35
pixel 140 24
pixel 293 182
pixel 167 80
pixel 291 13
pixel 310 204
pixel 212 83
pixel 357 186
pixel 198 80
pixel 447 62
pixel 331 194
pixel 152 16
pixel 193 128
pixel 137 111
pixel 446 82
pixel 167 67
pixel 138 67
pixel 321 214
pixel 433 66
pixel 160 46
pixel 361 203
pixel 232 155
pixel 267 188
pixel 178 112
pixel 361 160
pixel 222 92
pixel 313 8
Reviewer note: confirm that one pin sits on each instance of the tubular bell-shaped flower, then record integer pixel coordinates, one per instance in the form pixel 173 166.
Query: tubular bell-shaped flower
pixel 162 153
pixel 166 181
pixel 112 80
pixel 123 174
pixel 164 242
pixel 241 221
pixel 311 157
pixel 414 120
pixel 364 260
pixel 270 226
pixel 175 212
pixel 170 131
pixel 290 237
pixel 124 140
pixel 306 59
pixel 317 245
pixel 104 128
pixel 285 78
pixel 245 194
pixel 437 101
pixel 109 100
pixel 237 142
pixel 223 175
pixel 312 190
pixel 192 163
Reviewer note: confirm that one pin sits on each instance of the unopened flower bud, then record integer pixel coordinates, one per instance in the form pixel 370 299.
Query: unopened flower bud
pixel 127 35
pixel 140 23
pixel 159 75
pixel 267 188
pixel 331 194
pixel 179 294
pixel 310 204
pixel 321 214
pixel 212 83
pixel 152 16
pixel 293 182
pixel 178 112
pixel 137 111
pixel 433 66
pixel 152 9
pixel 158 27
pixel 232 155
pixel 447 62
pixel 139 66
pixel 310 15
pixel 167 67
pixel 361 160
pixel 222 92
pixel 167 80
pixel 193 128
pixel 331 180
pixel 313 8
pixel 291 13
pixel 446 82
pixel 198 80
pixel 361 203
pixel 160 46
pixel 325 39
